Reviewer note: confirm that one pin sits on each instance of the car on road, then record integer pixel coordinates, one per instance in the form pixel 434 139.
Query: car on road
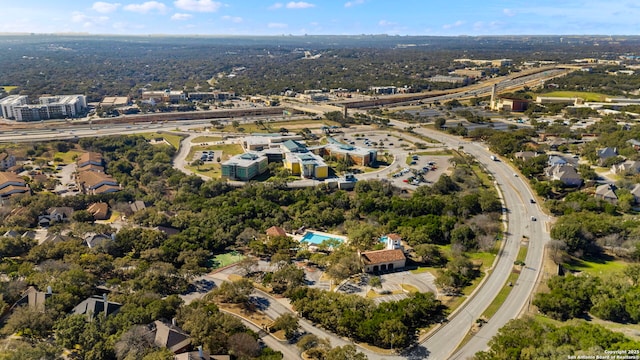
pixel 533 218
pixel 532 201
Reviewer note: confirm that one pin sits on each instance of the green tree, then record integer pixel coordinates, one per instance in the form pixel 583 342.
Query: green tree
pixel 287 323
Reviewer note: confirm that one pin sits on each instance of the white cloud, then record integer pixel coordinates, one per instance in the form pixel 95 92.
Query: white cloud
pixel 509 12
pixel 147 7
pixel 233 19
pixel 455 24
pixel 277 26
pixel 299 5
pixel 198 5
pixel 353 3
pixel 86 20
pixel 105 7
pixel 181 17
pixel 386 23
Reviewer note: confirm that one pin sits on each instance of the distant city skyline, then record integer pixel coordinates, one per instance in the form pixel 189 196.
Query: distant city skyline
pixel 326 17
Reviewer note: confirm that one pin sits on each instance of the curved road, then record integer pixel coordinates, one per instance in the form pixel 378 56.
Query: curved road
pixel 516 194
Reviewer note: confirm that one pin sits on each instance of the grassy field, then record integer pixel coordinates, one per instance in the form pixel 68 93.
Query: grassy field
pixel 8 88
pixel 227 259
pixel 275 126
pixel 587 96
pixel 605 266
pixel 69 156
pixel 441 152
pixel 202 139
pixel 172 139
pixel 213 169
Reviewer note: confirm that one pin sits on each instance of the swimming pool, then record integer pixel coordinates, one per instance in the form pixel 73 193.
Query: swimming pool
pixel 316 239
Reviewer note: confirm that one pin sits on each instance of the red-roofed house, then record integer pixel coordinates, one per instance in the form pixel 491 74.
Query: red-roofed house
pixel 97 183
pixel 89 158
pixel 383 260
pixel 276 231
pixel 10 184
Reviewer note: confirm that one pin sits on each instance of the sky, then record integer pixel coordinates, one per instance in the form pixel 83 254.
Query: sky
pixel 322 17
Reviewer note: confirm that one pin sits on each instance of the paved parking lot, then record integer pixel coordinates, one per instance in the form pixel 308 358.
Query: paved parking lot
pixel 391 284
pixel 207 155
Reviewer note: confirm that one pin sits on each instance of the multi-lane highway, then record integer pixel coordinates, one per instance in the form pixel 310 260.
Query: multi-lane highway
pixel 516 194
pixel 519 210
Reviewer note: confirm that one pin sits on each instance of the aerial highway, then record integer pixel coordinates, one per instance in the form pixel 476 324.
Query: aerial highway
pixel 525 219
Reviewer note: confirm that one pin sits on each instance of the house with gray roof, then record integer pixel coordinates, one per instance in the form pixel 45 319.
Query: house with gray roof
pixel 607 193
pixel 567 174
pixel 627 167
pixel 95 305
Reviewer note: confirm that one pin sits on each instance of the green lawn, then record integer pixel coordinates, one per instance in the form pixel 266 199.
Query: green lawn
pixel 229 258
pixel 213 169
pixel 69 156
pixel 8 88
pixel 172 139
pixel 441 152
pixel 275 126
pixel 202 139
pixel 588 96
pixel 597 266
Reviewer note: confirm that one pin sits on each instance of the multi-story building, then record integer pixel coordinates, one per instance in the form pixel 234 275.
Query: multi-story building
pixel 8 103
pixel 173 97
pixel 300 161
pixel 49 107
pixel 245 166
pixel 6 161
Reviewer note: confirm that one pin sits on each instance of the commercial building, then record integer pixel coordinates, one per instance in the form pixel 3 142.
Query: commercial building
pixel 8 103
pixel 300 161
pixel 48 107
pixel 449 79
pixel 173 97
pixel 6 161
pixel 358 155
pixel 212 95
pixel 245 166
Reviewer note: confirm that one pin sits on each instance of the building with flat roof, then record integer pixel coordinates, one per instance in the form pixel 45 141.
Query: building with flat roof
pixel 245 166
pixel 358 155
pixel 300 161
pixel 8 103
pixel 449 79
pixel 164 96
pixel 114 101
pixel 48 107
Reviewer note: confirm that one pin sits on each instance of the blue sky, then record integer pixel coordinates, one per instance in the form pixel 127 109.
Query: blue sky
pixel 323 17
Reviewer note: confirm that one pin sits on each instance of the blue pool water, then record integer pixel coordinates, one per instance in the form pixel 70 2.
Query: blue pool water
pixel 316 239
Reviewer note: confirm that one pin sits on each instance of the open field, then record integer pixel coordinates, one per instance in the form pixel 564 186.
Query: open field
pixel 172 139
pixel 596 266
pixel 69 156
pixel 203 139
pixel 587 96
pixel 8 88
pixel 227 259
pixel 275 126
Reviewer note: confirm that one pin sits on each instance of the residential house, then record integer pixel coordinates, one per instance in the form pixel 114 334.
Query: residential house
pixel 90 158
pixel 567 174
pixel 54 215
pixel 137 206
pixel 95 305
pixel 607 193
pixel 635 143
pixel 627 167
pixel 11 184
pixel 100 210
pixel 200 355
pixel 524 155
pixel 6 161
pixel 56 238
pixel 94 240
pixel 34 299
pixel 383 260
pixel 275 231
pixel 556 160
pixel 170 336
pixel 97 183
pixel 636 193
pixel 392 241
pixel 604 154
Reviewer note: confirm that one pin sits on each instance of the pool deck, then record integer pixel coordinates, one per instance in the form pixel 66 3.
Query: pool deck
pixel 331 236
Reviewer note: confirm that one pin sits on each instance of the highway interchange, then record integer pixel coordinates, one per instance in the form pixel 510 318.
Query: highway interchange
pixel 442 343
